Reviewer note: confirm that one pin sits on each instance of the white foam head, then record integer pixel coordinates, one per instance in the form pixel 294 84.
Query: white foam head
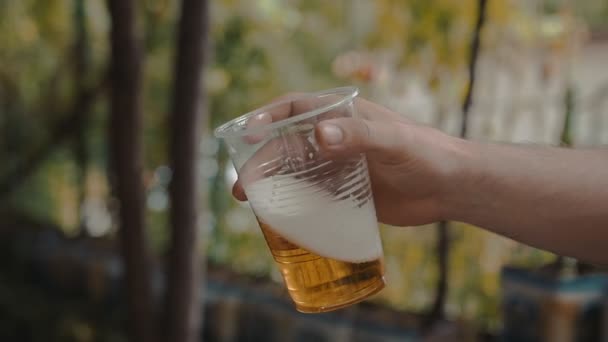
pixel 309 217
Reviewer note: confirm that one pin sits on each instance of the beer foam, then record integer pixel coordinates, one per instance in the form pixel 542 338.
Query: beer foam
pixel 311 218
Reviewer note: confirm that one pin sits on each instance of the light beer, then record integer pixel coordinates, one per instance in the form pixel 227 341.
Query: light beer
pixel 316 212
pixel 319 284
pixel 321 228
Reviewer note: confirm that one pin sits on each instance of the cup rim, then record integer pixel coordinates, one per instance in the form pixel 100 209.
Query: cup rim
pixel 349 93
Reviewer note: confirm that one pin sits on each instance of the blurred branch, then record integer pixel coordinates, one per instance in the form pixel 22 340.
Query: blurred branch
pixel 596 106
pixel 441 288
pixel 126 164
pixel 46 111
pixel 72 125
pixel 567 140
pixel 49 101
pixel 183 305
pixel 474 54
pixel 566 135
pixel 81 66
pixel 59 133
pixel 561 264
pixel 8 87
pixel 443 244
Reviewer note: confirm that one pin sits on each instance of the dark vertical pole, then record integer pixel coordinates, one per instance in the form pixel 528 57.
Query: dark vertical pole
pixel 183 304
pixel 125 135
pixel 443 244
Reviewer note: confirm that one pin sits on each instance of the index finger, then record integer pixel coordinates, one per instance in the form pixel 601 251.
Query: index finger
pixel 283 107
pixel 279 108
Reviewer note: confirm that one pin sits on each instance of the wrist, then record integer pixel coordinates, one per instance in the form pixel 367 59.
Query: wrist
pixel 459 179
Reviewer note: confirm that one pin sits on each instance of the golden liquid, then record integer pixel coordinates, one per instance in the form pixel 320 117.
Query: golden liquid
pixel 319 284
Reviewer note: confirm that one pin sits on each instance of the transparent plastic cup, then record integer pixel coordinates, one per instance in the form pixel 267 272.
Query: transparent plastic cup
pixel 317 214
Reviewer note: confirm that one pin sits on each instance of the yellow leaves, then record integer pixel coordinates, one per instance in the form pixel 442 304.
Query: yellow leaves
pixel 28 31
pixel 391 23
pixel 444 26
pixel 54 20
pixel 217 80
pixel 490 283
pixel 162 9
pixel 65 195
pixel 414 256
pixel 96 183
pixel 409 27
pixel 501 12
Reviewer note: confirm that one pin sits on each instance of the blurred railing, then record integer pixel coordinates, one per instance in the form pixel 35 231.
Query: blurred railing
pixel 237 308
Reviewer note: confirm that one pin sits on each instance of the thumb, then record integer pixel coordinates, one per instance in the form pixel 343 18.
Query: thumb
pixel 348 136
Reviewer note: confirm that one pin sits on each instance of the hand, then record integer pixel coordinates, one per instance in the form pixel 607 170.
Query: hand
pixel 410 165
pixel 546 197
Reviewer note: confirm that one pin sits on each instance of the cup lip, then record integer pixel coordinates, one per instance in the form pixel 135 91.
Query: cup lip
pixel 223 131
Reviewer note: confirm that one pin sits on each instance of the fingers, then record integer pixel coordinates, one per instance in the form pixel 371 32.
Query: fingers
pixel 257 120
pixel 338 137
pixel 371 111
pixel 282 107
pixel 278 109
pixel 287 153
pixel 348 136
pixel 238 192
pixel 293 104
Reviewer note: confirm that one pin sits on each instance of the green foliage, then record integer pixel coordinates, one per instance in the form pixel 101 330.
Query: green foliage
pixel 258 50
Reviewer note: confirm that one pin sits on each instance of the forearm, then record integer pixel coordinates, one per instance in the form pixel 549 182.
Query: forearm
pixel 551 198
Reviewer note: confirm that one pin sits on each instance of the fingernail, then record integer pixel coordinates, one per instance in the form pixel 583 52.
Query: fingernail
pixel 332 134
pixel 263 117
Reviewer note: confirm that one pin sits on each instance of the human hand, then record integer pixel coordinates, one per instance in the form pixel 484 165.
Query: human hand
pixel 411 166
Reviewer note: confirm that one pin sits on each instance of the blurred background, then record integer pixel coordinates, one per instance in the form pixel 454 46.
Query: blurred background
pixel 76 116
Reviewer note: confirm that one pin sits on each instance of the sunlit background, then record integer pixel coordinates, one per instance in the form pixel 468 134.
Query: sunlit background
pixel 540 62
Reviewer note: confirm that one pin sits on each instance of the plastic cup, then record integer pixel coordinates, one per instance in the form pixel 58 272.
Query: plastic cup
pixel 317 214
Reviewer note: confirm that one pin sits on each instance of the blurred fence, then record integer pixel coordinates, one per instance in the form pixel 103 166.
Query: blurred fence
pixel 539 307
pixel 520 95
pixel 84 277
pixel 237 308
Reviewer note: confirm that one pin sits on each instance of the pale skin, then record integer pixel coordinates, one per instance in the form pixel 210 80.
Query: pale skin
pixel 551 198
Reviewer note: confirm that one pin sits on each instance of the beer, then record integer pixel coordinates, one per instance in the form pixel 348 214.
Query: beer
pixel 323 234
pixel 317 213
pixel 319 284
